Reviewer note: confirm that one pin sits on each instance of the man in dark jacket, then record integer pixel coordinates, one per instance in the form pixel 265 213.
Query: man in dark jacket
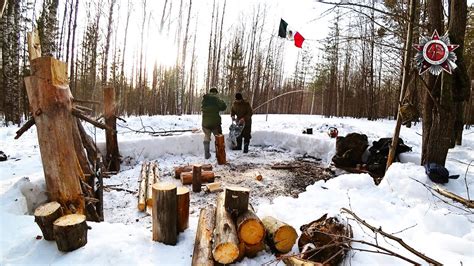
pixel 211 105
pixel 243 111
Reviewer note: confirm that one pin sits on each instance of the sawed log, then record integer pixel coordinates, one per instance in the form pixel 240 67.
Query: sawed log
pixel 151 179
pixel 226 243
pixel 202 254
pixel 45 215
pixel 236 200
pixel 220 150
pixel 183 208
pixel 206 177
pixel 280 236
pixel 250 228
pixel 188 168
pixel 165 213
pixel 70 232
pixel 142 187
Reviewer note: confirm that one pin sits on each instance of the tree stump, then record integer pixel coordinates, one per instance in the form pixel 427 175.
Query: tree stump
pixel 220 149
pixel 51 104
pixel 45 215
pixel 197 178
pixel 142 188
pixel 236 200
pixel 226 243
pixel 206 177
pixel 112 158
pixel 280 236
pixel 188 168
pixel 249 228
pixel 70 232
pixel 183 208
pixel 165 209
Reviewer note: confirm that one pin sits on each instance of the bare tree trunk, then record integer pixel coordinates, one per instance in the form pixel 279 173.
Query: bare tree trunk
pixel 107 44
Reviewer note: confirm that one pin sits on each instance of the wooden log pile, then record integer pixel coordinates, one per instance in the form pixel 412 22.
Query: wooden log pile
pixel 188 176
pixel 231 231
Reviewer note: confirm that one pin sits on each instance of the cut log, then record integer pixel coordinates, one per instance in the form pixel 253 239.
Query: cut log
pixel 213 187
pixel 112 158
pixel 152 178
pixel 165 209
pixel 202 254
pixel 50 101
pixel 206 177
pixel 251 251
pixel 236 200
pixel 45 215
pixel 226 243
pixel 249 228
pixel 70 232
pixel 280 236
pixel 197 178
pixel 183 208
pixel 259 177
pixel 142 188
pixel 188 168
pixel 220 149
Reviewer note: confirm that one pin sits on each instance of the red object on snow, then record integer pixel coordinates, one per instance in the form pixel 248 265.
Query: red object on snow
pixel 299 39
pixel 332 132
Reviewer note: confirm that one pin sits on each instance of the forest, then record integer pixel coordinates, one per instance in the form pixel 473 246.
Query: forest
pixel 357 74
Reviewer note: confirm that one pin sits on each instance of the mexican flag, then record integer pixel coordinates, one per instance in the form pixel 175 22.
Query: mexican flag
pixel 285 32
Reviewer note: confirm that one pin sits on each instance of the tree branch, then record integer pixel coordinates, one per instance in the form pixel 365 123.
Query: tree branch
pixel 454 197
pixel 397 239
pixel 25 127
pixel 77 113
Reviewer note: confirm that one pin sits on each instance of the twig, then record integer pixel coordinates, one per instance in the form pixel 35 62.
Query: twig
pixel 119 189
pixel 397 239
pixel 25 127
pixel 465 180
pixel 454 197
pixel 403 230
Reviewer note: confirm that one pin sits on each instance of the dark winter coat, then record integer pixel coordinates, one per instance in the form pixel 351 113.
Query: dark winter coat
pixel 211 105
pixel 242 109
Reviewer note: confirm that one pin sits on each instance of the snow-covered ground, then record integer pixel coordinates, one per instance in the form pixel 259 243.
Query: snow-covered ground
pixel 398 205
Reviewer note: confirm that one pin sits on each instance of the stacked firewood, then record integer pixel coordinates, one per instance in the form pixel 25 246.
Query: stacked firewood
pixel 231 231
pixel 149 175
pixel 185 173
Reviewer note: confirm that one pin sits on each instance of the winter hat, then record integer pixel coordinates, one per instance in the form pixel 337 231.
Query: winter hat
pixel 213 90
pixel 238 96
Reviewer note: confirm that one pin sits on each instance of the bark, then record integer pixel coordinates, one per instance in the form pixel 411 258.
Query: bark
pixel 51 105
pixel 165 209
pixel 202 254
pixel 45 215
pixel 151 179
pixel 226 243
pixel 142 188
pixel 70 232
pixel 183 208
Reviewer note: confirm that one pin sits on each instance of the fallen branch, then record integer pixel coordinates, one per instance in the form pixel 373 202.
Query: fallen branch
pixel 110 187
pixel 466 202
pixel 397 239
pixel 157 133
pixel 78 113
pixel 25 127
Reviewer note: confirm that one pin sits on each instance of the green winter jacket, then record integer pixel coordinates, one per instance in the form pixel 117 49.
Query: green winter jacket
pixel 211 105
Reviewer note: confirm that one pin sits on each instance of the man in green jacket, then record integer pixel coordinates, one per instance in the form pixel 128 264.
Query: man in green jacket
pixel 211 105
pixel 243 111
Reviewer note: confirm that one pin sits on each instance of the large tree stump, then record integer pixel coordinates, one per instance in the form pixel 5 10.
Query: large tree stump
pixel 112 158
pixel 45 215
pixel 197 178
pixel 183 208
pixel 280 236
pixel 236 200
pixel 70 232
pixel 165 209
pixel 226 243
pixel 202 254
pixel 188 168
pixel 249 228
pixel 206 177
pixel 142 187
pixel 220 149
pixel 152 178
pixel 51 104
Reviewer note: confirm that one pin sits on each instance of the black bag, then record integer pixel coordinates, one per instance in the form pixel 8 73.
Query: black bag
pixel 438 173
pixel 377 162
pixel 349 149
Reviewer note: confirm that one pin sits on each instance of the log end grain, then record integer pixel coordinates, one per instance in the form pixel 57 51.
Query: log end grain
pixel 251 231
pixel 285 238
pixel 226 253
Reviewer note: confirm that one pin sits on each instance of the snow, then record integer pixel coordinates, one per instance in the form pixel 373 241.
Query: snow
pixel 400 204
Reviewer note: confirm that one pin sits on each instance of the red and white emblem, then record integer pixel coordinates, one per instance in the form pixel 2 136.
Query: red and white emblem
pixel 435 54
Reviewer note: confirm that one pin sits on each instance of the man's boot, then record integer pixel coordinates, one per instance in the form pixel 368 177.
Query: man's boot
pixel 239 144
pixel 246 146
pixel 207 154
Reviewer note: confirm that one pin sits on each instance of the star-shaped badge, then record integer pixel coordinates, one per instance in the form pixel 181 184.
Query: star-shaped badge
pixel 435 54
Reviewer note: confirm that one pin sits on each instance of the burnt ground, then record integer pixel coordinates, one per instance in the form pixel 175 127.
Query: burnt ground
pixel 120 195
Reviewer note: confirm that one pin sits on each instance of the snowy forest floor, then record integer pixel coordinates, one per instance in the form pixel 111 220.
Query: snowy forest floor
pixel 399 204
